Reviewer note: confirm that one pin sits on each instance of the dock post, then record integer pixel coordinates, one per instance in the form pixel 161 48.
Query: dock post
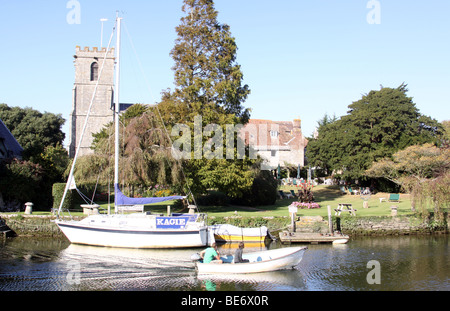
pixel 330 221
pixel 293 216
pixel 293 213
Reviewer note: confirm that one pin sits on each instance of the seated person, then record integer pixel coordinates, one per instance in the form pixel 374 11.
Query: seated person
pixel 211 254
pixel 238 254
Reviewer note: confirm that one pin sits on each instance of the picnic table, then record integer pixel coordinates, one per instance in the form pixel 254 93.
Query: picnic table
pixel 345 207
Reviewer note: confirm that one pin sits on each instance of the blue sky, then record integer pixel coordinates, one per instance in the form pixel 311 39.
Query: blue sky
pixel 300 58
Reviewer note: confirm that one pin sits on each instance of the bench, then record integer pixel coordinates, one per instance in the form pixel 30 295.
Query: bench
pixel 345 207
pixel 130 208
pixel 394 197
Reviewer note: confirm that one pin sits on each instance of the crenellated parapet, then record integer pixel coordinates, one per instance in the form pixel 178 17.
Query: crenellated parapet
pixel 94 49
pixel 94 52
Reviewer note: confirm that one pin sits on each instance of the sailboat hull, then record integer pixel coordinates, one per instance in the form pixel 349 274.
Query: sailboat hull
pixel 110 235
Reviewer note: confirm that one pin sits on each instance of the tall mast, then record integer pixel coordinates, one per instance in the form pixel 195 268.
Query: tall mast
pixel 117 111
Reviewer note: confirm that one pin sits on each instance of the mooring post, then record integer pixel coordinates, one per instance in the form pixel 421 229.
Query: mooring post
pixel 293 216
pixel 330 221
pixel 293 213
pixel 28 208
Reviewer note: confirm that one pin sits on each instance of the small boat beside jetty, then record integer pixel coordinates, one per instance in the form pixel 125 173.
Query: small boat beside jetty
pixel 229 233
pixel 263 261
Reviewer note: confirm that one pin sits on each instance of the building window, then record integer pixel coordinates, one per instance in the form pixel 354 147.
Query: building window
pixel 273 153
pixel 274 134
pixel 94 71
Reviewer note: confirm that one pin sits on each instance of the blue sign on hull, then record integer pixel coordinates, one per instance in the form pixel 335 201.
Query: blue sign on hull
pixel 171 222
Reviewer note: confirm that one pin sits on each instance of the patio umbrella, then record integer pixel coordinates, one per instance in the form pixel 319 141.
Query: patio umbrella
pixel 298 171
pixel 279 172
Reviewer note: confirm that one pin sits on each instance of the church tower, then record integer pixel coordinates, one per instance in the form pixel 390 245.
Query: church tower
pixel 87 72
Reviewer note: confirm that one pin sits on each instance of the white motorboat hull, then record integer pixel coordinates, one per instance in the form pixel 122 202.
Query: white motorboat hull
pixel 340 241
pixel 131 233
pixel 264 261
pixel 230 233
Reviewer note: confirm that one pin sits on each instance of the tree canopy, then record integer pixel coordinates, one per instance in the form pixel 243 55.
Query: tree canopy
pixel 417 162
pixel 33 130
pixel 44 158
pixel 208 83
pixel 207 78
pixel 422 170
pixel 376 126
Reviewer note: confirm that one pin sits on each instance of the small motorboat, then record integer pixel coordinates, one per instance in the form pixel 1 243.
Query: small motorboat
pixel 263 261
pixel 230 233
pixel 340 241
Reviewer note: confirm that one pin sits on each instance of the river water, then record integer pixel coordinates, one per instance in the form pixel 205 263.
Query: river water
pixel 377 263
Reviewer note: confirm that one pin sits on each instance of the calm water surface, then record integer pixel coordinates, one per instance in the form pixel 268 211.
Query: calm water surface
pixel 406 263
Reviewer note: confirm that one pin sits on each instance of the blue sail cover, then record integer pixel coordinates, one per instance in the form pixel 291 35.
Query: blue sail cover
pixel 121 199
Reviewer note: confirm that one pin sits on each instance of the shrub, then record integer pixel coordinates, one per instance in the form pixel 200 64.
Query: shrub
pixel 24 181
pixel 263 191
pixel 58 192
pixel 305 194
pixel 214 198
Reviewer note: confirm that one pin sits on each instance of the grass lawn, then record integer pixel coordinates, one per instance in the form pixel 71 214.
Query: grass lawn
pixel 324 195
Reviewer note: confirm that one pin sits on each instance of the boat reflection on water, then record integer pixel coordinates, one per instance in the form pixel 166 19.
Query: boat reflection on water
pixel 265 281
pixel 102 268
pixel 145 257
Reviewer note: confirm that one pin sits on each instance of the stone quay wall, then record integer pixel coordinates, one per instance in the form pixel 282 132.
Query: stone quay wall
pixel 375 225
pixel 44 226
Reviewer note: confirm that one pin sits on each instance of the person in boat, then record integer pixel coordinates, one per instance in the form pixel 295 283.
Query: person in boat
pixel 238 254
pixel 211 254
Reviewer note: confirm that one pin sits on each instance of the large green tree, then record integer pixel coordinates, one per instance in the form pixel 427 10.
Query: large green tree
pixel 44 158
pixel 207 78
pixel 422 170
pixel 208 83
pixel 376 126
pixel 33 130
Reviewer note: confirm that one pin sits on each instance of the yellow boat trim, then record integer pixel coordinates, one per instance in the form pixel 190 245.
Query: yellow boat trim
pixel 248 245
pixel 239 238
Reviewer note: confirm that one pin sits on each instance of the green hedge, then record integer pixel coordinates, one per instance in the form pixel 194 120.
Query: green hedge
pixel 58 192
pixel 273 223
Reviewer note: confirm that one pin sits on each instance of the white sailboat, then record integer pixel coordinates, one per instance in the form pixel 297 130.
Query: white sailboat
pixel 138 230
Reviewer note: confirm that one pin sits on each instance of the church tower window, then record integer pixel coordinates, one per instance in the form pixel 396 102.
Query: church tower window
pixel 94 71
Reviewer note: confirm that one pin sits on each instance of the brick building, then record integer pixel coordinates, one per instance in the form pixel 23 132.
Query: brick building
pixel 278 142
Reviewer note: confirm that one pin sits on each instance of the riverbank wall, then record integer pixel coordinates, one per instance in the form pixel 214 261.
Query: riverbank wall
pixel 29 225
pixel 376 225
pixel 44 226
pixel 385 225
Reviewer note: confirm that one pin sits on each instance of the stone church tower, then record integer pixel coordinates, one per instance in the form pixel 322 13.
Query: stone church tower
pixel 87 72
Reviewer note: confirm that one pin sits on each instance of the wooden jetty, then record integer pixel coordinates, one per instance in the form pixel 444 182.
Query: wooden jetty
pixel 287 237
pixel 292 236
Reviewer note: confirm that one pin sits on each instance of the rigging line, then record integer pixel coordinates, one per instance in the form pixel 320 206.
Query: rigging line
pixel 157 109
pixel 85 123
